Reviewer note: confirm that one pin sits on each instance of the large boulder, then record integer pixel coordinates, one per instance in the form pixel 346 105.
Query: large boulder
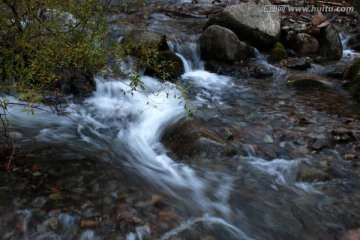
pixel 306 44
pixel 250 23
pixel 189 139
pixel 330 43
pixel 219 43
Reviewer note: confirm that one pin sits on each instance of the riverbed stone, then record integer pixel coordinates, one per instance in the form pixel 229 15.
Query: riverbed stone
pixel 278 53
pixel 306 44
pixel 78 82
pixel 299 63
pixel 309 173
pixel 191 139
pixel 219 43
pixel 330 44
pixel 175 67
pixel 306 79
pixel 354 42
pixel 342 135
pixel 250 23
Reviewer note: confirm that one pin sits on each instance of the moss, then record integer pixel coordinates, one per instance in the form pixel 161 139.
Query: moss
pixel 278 53
pixel 354 86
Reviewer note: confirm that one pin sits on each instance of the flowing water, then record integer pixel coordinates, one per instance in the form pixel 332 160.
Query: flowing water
pixel 263 192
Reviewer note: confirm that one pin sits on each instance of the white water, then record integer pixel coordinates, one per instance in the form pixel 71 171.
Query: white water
pixel 129 127
pixel 347 52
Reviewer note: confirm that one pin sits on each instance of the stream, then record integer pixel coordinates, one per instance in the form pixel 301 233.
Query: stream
pixel 292 177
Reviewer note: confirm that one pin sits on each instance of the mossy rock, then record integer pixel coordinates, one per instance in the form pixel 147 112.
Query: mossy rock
pixel 278 53
pixel 354 86
pixel 304 79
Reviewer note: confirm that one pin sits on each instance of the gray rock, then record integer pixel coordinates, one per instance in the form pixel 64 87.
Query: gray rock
pixel 250 23
pixel 330 43
pixel 307 44
pixel 299 63
pixel 191 139
pixel 309 173
pixel 219 43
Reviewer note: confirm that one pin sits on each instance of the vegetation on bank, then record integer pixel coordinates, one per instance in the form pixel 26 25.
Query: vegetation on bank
pixel 48 45
pixel 50 48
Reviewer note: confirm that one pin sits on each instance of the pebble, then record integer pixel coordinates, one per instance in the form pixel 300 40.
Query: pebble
pixel 166 215
pixel 57 196
pixel 88 223
pixel 39 202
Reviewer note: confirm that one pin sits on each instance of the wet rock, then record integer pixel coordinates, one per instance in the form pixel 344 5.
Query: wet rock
pixel 342 135
pixel 299 63
pixel 288 37
pixel 227 69
pixel 354 85
pixel 57 196
pixel 306 79
pixel 261 71
pixel 354 42
pixel 192 139
pixel 250 23
pixel 136 34
pixel 330 43
pixel 351 157
pixel 39 202
pixel 81 83
pixel 222 44
pixel 50 224
pixel 306 44
pixel 278 53
pixel 310 173
pixel 175 67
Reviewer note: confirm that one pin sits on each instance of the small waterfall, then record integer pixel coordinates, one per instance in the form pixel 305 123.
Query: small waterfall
pixel 189 54
pixel 347 51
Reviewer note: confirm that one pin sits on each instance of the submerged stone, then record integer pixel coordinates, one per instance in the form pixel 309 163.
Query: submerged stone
pixel 354 86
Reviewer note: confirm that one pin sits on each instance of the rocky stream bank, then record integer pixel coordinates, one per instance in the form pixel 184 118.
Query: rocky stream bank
pixel 274 143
